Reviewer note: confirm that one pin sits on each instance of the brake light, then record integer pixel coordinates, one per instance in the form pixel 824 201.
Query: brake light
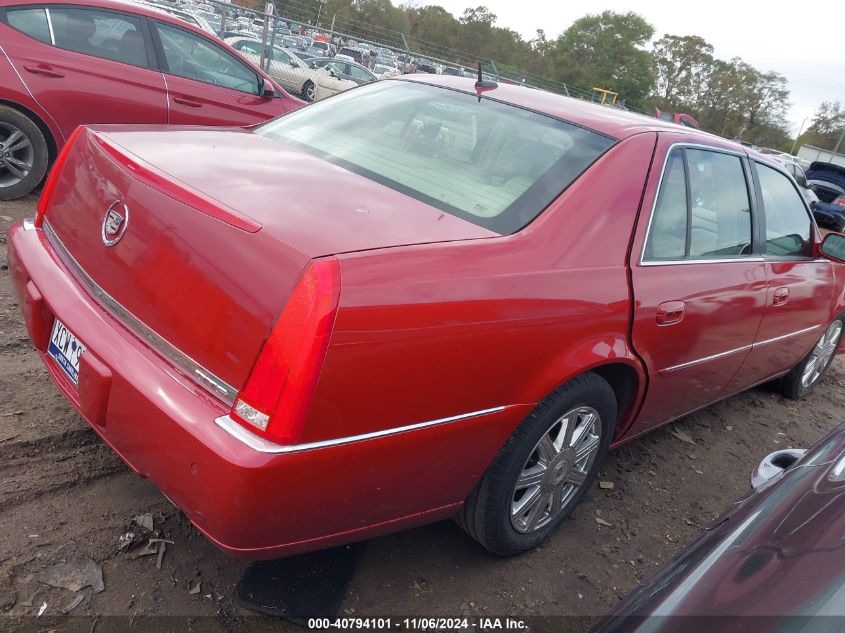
pixel 275 399
pixel 53 178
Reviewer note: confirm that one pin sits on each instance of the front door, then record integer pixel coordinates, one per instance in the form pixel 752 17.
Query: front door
pixel 800 288
pixel 208 85
pixel 699 288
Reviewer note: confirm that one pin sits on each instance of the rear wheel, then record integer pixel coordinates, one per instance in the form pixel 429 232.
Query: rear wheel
pixel 809 372
pixel 309 92
pixel 544 468
pixel 23 154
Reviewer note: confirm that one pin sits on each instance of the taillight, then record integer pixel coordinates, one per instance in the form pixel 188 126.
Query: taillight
pixel 50 184
pixel 275 399
pixel 840 202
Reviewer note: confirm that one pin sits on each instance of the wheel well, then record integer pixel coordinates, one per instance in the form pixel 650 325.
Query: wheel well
pixel 48 136
pixel 624 382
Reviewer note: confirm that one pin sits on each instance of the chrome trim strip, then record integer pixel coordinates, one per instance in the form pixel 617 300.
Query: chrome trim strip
pixel 642 261
pixel 181 361
pixel 50 26
pixel 785 336
pixel 706 359
pixel 739 349
pixel 28 224
pixel 683 262
pixel 261 445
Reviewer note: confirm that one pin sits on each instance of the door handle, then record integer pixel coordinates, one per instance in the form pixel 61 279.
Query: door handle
pixel 188 101
pixel 781 296
pixel 44 70
pixel 671 312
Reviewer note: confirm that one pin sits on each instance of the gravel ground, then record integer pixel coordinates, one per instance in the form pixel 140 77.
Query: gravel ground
pixel 64 496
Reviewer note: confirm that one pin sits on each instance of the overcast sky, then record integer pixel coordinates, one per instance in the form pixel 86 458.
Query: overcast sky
pixel 806 46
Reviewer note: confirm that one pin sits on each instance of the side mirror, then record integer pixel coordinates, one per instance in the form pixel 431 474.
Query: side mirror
pixel 833 247
pixel 774 464
pixel 801 179
pixel 267 89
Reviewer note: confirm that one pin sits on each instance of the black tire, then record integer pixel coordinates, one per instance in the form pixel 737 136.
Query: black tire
pixel 12 185
pixel 486 514
pixel 308 91
pixel 793 384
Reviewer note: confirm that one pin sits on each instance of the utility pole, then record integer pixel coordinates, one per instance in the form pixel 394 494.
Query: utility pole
pixel 800 129
pixel 320 10
pixel 838 144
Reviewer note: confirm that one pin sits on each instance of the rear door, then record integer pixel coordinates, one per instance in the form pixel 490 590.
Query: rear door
pixel 699 288
pixel 207 84
pixel 800 288
pixel 87 65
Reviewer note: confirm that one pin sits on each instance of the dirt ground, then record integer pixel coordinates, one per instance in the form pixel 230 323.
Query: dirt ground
pixel 64 496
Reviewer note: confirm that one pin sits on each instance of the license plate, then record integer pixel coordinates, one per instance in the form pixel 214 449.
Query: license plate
pixel 66 350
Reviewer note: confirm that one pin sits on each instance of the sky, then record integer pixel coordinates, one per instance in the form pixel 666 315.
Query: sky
pixel 806 46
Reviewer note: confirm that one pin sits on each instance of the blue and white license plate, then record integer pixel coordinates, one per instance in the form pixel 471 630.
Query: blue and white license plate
pixel 66 350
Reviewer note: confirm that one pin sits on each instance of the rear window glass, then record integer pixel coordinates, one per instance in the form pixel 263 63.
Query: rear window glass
pixel 33 22
pixel 115 36
pixel 493 164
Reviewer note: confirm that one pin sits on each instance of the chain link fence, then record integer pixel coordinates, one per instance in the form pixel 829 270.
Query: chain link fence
pixel 268 33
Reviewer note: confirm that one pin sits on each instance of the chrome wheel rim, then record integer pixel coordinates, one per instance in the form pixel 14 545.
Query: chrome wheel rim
pixel 821 355
pixel 309 91
pixel 17 155
pixel 556 469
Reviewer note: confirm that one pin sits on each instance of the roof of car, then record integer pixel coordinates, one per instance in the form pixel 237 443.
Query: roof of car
pixel 123 5
pixel 610 121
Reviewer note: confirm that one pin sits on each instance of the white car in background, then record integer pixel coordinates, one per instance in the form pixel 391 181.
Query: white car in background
pixel 290 71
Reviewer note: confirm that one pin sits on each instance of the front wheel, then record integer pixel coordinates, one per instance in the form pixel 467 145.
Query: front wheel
pixel 309 92
pixel 23 154
pixel 543 469
pixel 809 372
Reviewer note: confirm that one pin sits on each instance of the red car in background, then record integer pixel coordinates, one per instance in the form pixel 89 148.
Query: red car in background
pixel 413 301
pixel 78 62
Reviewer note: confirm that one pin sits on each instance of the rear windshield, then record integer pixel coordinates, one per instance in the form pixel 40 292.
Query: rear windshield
pixel 490 163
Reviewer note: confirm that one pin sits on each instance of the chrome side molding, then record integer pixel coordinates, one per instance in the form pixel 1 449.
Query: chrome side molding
pixel 261 445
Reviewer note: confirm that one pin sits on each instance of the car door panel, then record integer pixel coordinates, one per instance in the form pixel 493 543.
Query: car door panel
pixel 76 87
pixel 208 85
pixel 800 289
pixel 699 290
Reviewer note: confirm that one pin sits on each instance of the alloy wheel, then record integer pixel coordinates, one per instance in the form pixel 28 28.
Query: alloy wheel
pixel 17 155
pixel 820 357
pixel 556 469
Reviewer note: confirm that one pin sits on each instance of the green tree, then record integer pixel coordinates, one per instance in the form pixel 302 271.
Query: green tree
pixel 681 66
pixel 826 126
pixel 607 51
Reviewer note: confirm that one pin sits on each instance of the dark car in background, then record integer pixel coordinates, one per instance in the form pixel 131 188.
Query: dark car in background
pixel 777 555
pixel 101 61
pixel 828 182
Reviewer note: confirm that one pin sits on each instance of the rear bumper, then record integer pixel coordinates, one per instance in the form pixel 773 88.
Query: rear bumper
pixel 251 503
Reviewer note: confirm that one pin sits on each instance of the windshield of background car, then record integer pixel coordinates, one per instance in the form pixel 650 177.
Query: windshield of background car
pixel 493 164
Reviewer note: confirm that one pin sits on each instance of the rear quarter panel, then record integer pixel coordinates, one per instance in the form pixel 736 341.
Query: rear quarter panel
pixel 433 331
pixel 14 92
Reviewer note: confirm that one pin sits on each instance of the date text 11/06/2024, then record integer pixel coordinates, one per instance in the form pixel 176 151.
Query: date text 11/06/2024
pixel 420 624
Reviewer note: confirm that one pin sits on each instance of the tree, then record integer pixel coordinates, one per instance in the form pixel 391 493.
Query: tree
pixel 681 66
pixel 826 127
pixel 607 51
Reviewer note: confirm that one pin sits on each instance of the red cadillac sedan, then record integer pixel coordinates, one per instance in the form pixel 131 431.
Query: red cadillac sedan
pixel 411 302
pixel 75 62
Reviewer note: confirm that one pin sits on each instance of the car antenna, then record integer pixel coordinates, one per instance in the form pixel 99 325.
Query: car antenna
pixel 482 85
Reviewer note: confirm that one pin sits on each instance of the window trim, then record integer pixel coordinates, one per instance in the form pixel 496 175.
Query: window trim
pixel 754 256
pixel 758 189
pixel 149 49
pixel 165 69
